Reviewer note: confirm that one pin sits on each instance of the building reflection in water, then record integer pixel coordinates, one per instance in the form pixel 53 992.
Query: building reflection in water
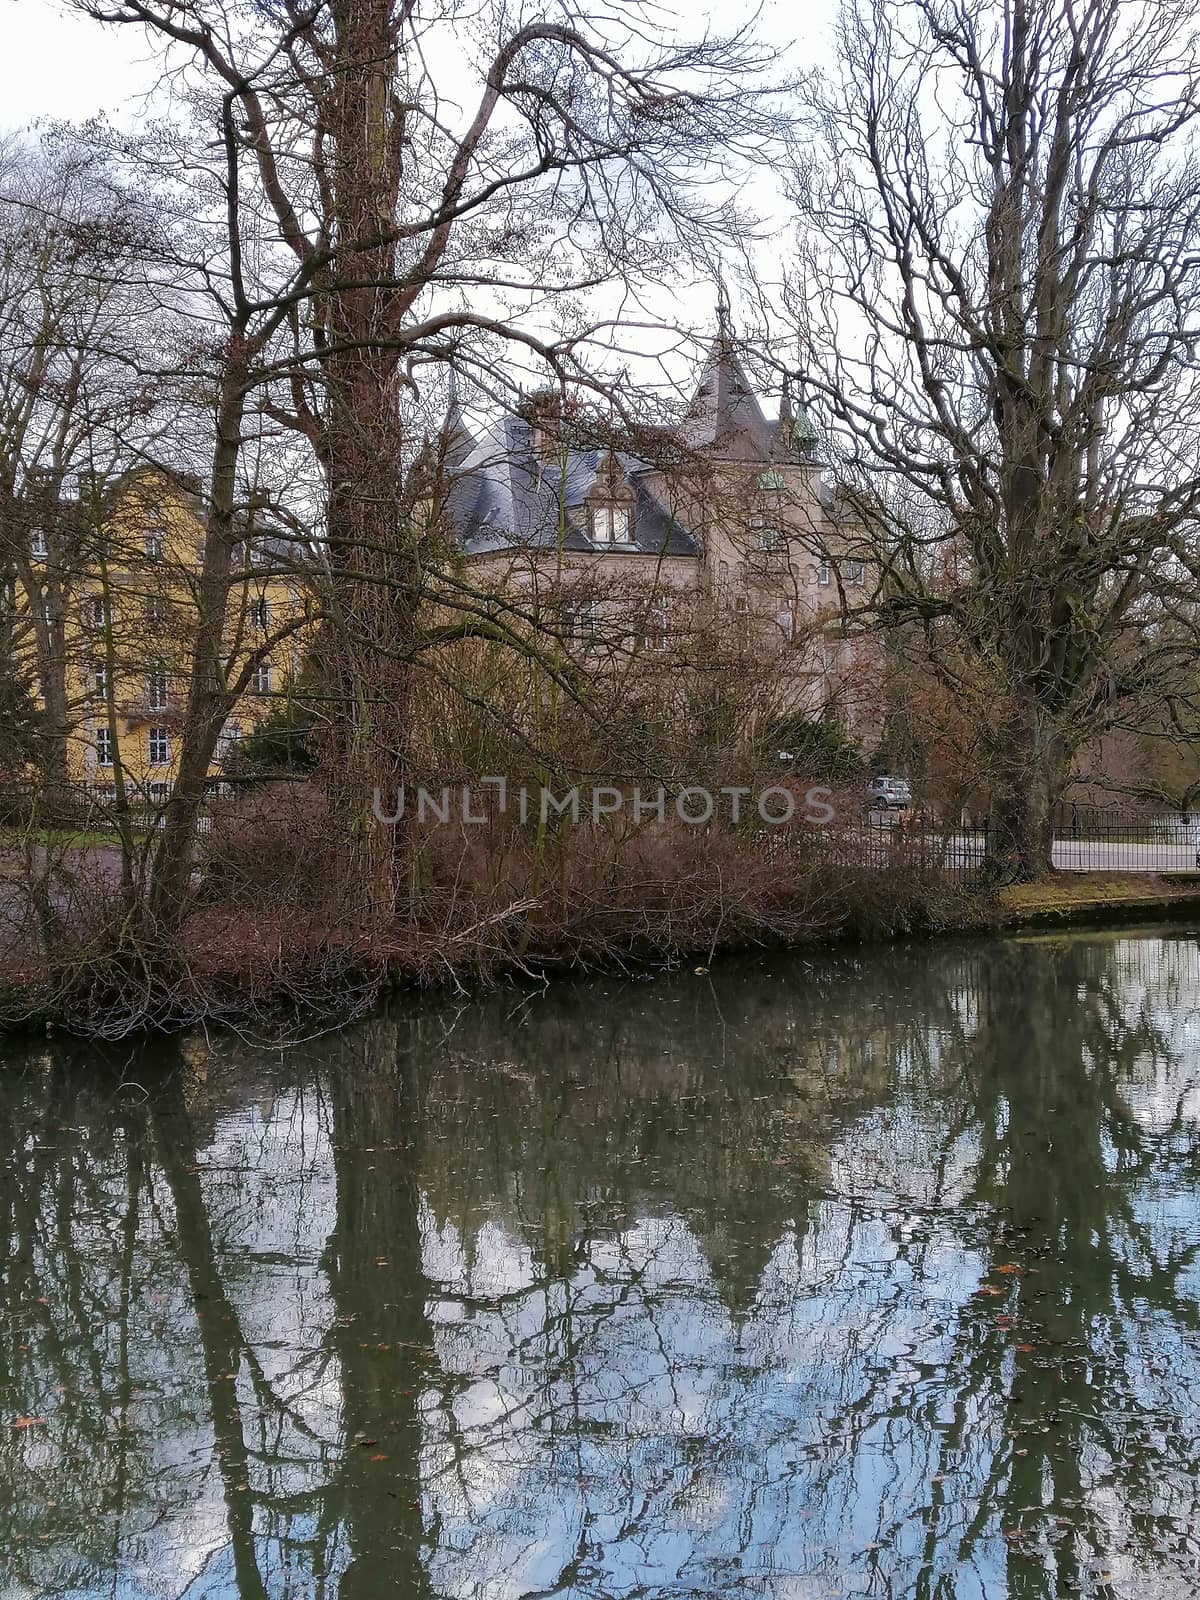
pixel 873 1274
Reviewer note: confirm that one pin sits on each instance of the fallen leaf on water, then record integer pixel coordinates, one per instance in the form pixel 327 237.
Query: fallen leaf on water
pixel 378 1458
pixel 1008 1269
pixel 28 1422
pixel 989 1288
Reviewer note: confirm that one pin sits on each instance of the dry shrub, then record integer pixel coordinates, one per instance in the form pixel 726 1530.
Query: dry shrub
pixel 602 896
pixel 274 847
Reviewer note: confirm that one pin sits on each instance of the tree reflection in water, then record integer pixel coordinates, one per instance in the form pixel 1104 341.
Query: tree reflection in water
pixel 873 1275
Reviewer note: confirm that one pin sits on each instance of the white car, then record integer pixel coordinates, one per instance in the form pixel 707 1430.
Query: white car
pixel 884 793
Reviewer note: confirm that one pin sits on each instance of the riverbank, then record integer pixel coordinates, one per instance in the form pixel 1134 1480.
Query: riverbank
pixel 1087 898
pixel 287 974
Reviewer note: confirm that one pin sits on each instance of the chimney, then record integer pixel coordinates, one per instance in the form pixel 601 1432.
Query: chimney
pixel 543 411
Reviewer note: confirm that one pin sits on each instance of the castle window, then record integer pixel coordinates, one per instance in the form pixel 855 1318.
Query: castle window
pixel 579 624
pixel 155 544
pixel 104 747
pixel 228 742
pixel 158 747
pixel 823 574
pixel 766 531
pixel 610 525
pixel 262 678
pixel 156 687
pixel 855 574
pixel 658 624
pixel 37 544
pixel 99 687
pixel 259 613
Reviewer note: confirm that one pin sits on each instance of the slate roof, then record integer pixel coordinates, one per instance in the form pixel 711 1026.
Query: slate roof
pixel 504 497
pixel 725 418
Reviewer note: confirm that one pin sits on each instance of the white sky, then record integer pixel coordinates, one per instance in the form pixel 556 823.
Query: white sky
pixel 57 65
pixel 54 63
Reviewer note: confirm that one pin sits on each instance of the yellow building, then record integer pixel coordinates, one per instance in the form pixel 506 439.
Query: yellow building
pixel 112 612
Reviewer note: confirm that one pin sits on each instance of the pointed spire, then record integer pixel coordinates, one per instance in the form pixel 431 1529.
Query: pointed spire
pixel 724 320
pixel 457 442
pixel 786 417
pixel 725 415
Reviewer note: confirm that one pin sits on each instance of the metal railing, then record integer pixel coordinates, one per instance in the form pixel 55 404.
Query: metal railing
pixel 1085 840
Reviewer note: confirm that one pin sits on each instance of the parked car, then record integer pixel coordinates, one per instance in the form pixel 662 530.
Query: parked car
pixel 886 793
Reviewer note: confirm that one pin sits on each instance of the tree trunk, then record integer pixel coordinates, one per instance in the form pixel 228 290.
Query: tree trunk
pixel 1034 765
pixel 208 700
pixel 372 556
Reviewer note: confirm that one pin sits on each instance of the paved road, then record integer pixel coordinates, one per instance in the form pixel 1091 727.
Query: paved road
pixel 1100 856
pixel 965 850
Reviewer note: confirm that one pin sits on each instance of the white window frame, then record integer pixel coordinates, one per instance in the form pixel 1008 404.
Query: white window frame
pixel 856 574
pixel 229 739
pixel 610 524
pixel 262 678
pixel 824 575
pixel 38 548
pixel 104 754
pixel 260 613
pixel 158 688
pixel 158 747
pixel 154 543
pixel 658 624
pixel 579 624
pixel 99 685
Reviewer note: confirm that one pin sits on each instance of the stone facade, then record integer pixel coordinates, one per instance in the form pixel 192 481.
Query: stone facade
pixel 637 537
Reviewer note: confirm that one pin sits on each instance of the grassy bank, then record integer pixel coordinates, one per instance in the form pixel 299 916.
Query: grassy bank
pixel 273 944
pixel 1087 897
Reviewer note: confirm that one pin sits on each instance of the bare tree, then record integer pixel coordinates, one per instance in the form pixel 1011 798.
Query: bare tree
pixel 73 402
pixel 422 233
pixel 999 292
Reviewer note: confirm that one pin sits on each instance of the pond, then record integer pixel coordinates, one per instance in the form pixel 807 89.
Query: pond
pixel 876 1273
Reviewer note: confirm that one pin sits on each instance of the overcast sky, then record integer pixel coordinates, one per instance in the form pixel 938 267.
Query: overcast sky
pixel 55 64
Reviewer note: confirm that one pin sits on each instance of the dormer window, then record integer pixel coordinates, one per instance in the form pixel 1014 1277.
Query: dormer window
pixel 610 525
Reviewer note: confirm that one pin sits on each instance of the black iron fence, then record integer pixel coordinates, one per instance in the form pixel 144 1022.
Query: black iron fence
pixel 1085 840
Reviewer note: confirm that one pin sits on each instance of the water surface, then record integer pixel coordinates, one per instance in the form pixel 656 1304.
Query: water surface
pixel 869 1275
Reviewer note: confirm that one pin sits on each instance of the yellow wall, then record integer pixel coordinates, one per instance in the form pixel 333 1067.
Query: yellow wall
pixel 127 637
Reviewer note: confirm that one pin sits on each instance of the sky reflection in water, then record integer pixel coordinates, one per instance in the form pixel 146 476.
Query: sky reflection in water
pixel 868 1275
